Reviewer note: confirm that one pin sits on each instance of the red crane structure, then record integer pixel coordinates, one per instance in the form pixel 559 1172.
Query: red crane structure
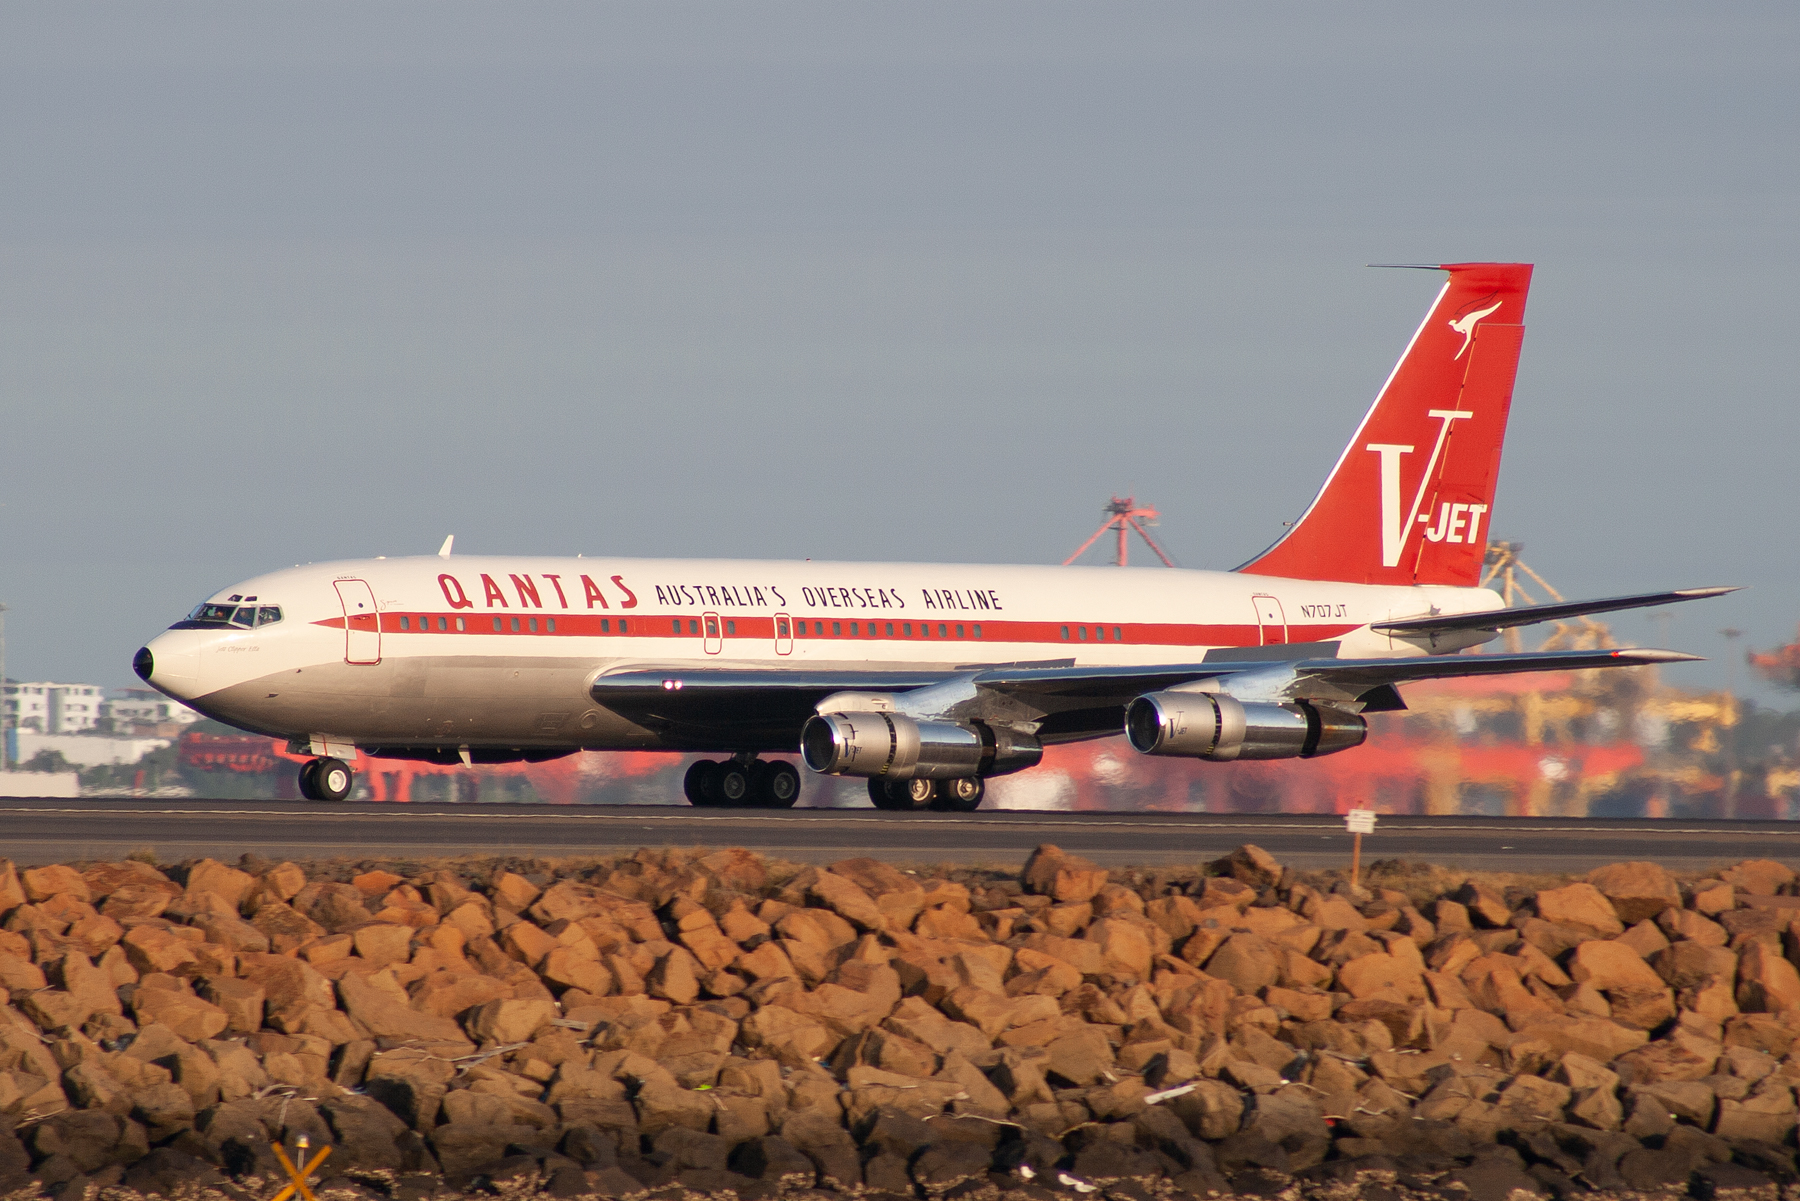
pixel 1124 515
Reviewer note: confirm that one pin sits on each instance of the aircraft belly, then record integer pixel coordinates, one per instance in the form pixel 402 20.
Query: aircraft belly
pixel 451 701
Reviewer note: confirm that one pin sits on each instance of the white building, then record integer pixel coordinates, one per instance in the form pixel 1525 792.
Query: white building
pixel 51 708
pixel 143 707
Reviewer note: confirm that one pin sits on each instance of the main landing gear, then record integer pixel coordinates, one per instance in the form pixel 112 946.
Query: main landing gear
pixel 743 782
pixel 326 780
pixel 962 795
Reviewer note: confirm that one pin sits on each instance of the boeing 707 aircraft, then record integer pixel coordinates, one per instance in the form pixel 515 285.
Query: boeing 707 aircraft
pixel 924 678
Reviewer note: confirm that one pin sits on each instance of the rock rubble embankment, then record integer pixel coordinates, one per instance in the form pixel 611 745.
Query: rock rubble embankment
pixel 686 1024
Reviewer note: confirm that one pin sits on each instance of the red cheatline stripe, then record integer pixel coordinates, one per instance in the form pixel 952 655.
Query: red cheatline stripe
pixel 587 625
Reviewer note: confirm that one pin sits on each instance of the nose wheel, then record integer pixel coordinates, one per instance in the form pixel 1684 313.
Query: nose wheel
pixel 326 780
pixel 741 783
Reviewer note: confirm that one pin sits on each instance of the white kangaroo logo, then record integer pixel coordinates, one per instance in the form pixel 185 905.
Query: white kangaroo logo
pixel 1465 325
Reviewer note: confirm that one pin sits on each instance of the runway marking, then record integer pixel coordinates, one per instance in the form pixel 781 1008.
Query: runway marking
pixel 749 817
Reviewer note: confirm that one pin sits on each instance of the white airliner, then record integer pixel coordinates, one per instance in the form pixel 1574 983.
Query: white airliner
pixel 924 678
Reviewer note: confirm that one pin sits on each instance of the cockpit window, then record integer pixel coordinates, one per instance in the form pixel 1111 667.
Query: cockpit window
pixel 210 616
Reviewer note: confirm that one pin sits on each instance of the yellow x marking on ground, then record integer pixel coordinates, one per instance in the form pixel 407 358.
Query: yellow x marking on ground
pixel 298 1175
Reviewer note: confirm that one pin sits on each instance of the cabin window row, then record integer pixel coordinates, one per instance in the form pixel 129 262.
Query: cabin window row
pixel 871 629
pixel 529 625
pixel 1099 633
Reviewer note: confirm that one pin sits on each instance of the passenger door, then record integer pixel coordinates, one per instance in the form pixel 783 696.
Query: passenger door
pixel 1272 619
pixel 713 635
pixel 362 624
pixel 784 634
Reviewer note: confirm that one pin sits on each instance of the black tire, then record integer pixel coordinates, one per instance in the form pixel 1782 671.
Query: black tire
pixel 901 796
pixel 962 795
pixel 308 789
pixel 733 785
pixel 779 787
pixel 332 779
pixel 700 785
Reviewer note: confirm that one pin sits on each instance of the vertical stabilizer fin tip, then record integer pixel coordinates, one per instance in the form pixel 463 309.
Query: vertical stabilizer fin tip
pixel 444 550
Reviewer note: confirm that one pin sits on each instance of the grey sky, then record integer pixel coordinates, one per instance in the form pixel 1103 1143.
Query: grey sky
pixel 913 281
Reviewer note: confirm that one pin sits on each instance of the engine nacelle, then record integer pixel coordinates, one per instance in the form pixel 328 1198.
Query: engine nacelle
pixel 894 746
pixel 1207 725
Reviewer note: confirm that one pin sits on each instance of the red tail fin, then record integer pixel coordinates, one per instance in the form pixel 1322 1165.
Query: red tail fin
pixel 1410 498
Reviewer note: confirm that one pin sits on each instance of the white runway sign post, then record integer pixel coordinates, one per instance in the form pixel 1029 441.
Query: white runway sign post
pixel 1358 822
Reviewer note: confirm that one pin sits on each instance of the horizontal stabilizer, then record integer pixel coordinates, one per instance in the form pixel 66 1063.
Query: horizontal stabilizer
pixel 1500 619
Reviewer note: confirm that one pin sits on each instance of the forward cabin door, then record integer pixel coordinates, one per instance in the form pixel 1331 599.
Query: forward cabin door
pixel 713 638
pixel 362 625
pixel 784 634
pixel 1273 621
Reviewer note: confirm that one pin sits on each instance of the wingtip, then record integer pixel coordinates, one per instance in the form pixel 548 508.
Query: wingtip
pixel 1697 593
pixel 1646 655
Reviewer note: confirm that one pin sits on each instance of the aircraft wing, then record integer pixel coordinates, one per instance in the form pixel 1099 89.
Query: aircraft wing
pixel 1499 619
pixel 1064 701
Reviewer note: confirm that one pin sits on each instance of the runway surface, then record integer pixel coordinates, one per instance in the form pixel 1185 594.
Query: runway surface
pixel 64 830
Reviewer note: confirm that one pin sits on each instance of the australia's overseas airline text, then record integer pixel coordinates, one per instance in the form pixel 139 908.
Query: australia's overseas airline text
pixel 540 590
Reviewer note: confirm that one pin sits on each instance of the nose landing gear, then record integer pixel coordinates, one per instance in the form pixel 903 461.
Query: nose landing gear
pixel 744 782
pixel 326 780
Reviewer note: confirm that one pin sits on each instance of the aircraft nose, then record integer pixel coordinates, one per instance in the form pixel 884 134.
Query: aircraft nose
pixel 170 664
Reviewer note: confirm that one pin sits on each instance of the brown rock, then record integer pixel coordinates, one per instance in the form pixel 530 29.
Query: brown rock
pixel 240 1001
pixel 337 907
pixel 736 868
pixel 186 1015
pixel 1250 865
pixel 1485 907
pixel 1685 964
pixel 448 994
pixel 1608 965
pixel 1597 1038
pixel 1070 879
pixel 674 978
pixel 286 928
pixel 210 877
pixel 1663 1060
pixel 149 949
pixel 1757 877
pixel 847 901
pixel 377 1003
pixel 1042 974
pixel 12 892
pixel 1691 926
pixel 383 944
pixel 509 1021
pixel 1580 905
pixel 1767 983
pixel 1644 938
pixel 1081 1057
pixel 992 1013
pixel 1246 961
pixel 1382 977
pixel 1217 892
pixel 1644 1009
pixel 1638 891
pixel 921 1022
pixel 231 932
pixel 898 895
pixel 788 1036
pixel 1713 897
pixel 42 883
pixel 1125 947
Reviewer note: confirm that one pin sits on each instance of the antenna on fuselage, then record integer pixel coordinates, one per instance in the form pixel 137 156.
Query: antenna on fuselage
pixel 444 550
